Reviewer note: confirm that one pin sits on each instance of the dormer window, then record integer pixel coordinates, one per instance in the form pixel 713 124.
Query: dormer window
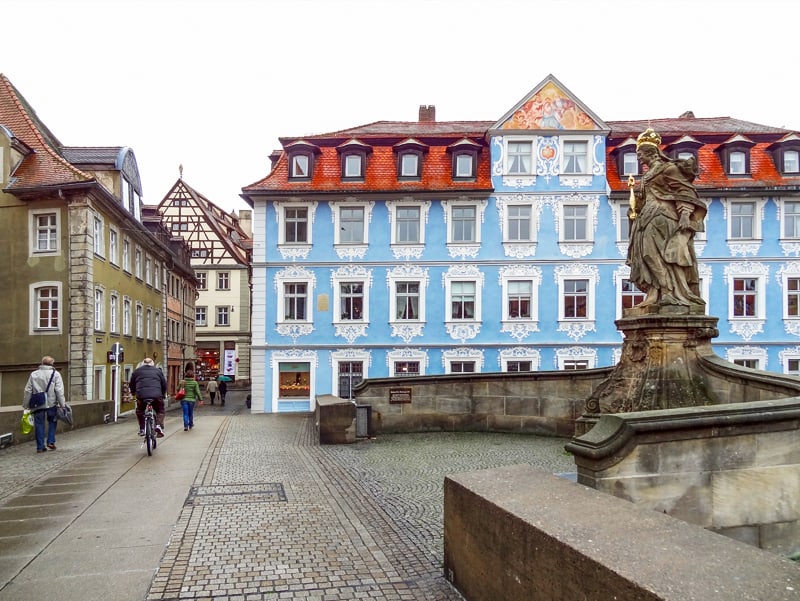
pixel 786 154
pixel 464 155
pixel 630 164
pixel 684 148
pixel 625 158
pixel 735 155
pixel 353 159
pixel 301 160
pixel 409 159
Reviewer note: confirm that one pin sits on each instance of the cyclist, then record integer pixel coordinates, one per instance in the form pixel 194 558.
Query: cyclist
pixel 149 384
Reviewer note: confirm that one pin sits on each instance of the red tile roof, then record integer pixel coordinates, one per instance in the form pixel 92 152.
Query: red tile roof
pixel 45 166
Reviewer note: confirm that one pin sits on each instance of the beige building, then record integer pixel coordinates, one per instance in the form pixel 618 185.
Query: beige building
pixel 220 244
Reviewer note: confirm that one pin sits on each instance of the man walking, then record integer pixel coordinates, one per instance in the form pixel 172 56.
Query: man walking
pixel 45 379
pixel 211 388
pixel 149 384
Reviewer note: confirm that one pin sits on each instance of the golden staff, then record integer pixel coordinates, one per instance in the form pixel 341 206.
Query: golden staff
pixel 631 183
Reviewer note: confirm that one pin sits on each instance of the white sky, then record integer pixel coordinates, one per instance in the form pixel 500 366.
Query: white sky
pixel 212 84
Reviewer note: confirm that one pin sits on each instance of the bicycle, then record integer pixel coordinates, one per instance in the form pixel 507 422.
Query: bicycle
pixel 150 428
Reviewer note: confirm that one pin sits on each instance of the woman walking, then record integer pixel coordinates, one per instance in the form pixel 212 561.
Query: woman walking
pixel 193 394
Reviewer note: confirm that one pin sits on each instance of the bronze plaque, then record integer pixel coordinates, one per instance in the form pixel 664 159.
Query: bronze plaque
pixel 399 395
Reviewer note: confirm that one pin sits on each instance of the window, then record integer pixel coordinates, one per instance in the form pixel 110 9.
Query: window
pixel 792 288
pixel 99 239
pixel 157 275
pixel 200 316
pixel 351 299
pixel 749 363
pixel 575 299
pixel 44 233
pixel 791 219
pixel 148 271
pixel 223 280
pixel 202 280
pixel 624 228
pixel 462 300
pixel 631 295
pixel 519 157
pixel 406 368
pixel 518 366
pixel 409 165
pixel 630 164
pixel 113 246
pixel 353 166
pixel 148 324
pixel 742 220
pixel 99 310
pixel 791 365
pixel 572 364
pixel 137 262
pixel 791 161
pixel 745 297
pixel 300 166
pixel 463 224
pixel 126 316
pixel 462 367
pixel 464 165
pixel 139 320
pixel 223 316
pixel 200 253
pixel 407 297
pixel 576 157
pixel 351 225
pixel 350 374
pixel 294 380
pixel 737 163
pixel 47 304
pixel 180 226
pixel 113 309
pixel 126 255
pixel 295 225
pixel 575 223
pixel 520 299
pixel 519 223
pixel 157 325
pixel 294 301
pixel 407 228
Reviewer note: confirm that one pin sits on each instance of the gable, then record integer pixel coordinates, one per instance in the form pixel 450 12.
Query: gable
pixel 550 106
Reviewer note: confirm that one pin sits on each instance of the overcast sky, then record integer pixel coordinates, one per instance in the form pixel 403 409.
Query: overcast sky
pixel 212 84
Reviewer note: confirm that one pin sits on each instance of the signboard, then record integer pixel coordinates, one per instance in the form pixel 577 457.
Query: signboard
pixel 400 395
pixel 229 363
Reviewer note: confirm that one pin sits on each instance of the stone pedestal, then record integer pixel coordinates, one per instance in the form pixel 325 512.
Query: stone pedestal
pixel 659 364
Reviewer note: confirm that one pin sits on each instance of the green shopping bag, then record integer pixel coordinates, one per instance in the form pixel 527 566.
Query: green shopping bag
pixel 26 423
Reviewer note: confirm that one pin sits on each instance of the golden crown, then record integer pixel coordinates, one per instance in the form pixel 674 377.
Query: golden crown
pixel 648 136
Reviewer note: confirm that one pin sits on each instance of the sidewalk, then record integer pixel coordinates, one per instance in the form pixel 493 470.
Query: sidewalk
pixel 250 509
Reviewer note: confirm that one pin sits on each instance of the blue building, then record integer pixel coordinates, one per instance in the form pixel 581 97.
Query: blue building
pixel 404 248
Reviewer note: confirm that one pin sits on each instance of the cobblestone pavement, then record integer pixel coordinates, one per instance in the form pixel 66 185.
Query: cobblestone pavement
pixel 273 515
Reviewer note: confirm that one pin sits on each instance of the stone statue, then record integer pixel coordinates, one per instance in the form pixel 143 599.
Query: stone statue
pixel 666 215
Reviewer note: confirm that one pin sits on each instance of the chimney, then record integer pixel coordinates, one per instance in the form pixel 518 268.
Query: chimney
pixel 427 112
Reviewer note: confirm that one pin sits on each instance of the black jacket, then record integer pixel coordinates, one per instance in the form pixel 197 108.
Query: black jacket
pixel 148 382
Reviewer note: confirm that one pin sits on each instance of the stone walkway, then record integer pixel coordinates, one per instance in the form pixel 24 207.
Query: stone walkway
pixel 274 515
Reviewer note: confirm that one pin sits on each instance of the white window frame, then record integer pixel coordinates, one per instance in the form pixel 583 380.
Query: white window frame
pixel 522 273
pixel 755 233
pixel 576 327
pixel 99 309
pixel 113 245
pixel 423 208
pixel 409 169
pixel 462 355
pixel 589 234
pixel 113 312
pixel 137 262
pixel 202 280
pixel 532 222
pixel 757 293
pixel 148 323
pixel 566 140
pixel 508 141
pixel 98 236
pixel 630 164
pixel 222 313
pixel 748 353
pixel 353 165
pixel 407 355
pixel 127 316
pixel 737 162
pixel 223 280
pixel 201 322
pixel 148 270
pixel 139 320
pixel 520 353
pixel 352 276
pixel 126 255
pixel 157 275
pixel 783 203
pixel 786 356
pixel 33 296
pixel 453 207
pixel 464 165
pixel 565 356
pixel 310 209
pixel 747 326
pixel 53 232
pixel 338 221
pixel 300 165
pixel 407 328
pixel 791 165
pixel 157 325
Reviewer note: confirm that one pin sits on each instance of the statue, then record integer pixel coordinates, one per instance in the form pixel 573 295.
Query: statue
pixel 665 217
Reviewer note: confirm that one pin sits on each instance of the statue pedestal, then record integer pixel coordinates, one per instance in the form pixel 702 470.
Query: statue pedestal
pixel 659 364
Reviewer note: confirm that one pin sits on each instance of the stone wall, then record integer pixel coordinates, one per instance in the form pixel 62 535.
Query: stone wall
pixel 518 533
pixel 733 469
pixel 546 403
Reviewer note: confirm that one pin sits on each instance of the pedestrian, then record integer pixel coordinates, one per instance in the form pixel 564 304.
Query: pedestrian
pixel 45 379
pixel 211 388
pixel 223 390
pixel 149 384
pixel 193 394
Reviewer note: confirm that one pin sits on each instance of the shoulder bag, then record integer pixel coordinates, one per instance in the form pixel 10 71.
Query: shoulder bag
pixel 39 399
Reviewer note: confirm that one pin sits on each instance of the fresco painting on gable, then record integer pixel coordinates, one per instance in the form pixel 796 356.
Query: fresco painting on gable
pixel 550 108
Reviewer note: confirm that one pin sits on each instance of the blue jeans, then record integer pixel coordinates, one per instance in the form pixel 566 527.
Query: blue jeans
pixel 188 413
pixel 39 418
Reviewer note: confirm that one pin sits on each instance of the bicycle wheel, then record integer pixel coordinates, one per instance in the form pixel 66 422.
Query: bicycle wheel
pixel 149 436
